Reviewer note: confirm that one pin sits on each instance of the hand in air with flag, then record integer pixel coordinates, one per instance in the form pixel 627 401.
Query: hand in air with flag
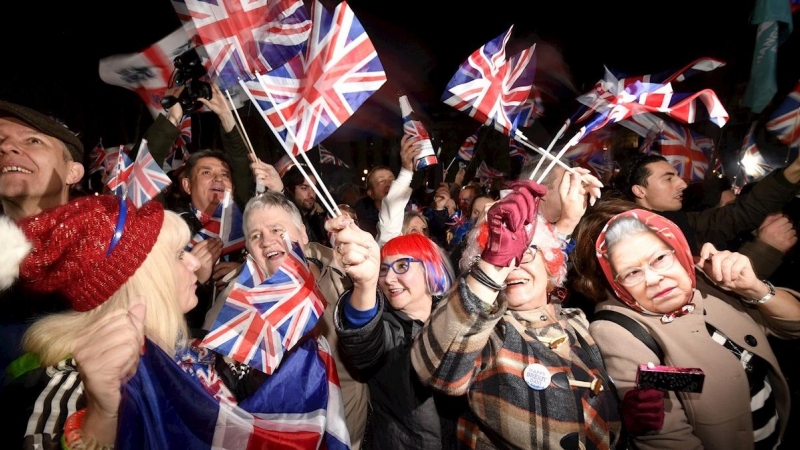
pixel 356 252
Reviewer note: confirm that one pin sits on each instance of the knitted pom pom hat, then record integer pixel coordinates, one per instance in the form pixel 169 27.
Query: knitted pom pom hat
pixel 87 249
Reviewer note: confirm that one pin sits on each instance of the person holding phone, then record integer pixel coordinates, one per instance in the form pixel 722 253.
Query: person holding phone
pixel 713 313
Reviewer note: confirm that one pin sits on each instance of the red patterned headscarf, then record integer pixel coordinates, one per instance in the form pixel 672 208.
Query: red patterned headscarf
pixel 670 234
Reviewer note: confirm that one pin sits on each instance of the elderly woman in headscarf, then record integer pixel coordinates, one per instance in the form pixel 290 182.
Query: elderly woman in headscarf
pixel 529 367
pixel 713 314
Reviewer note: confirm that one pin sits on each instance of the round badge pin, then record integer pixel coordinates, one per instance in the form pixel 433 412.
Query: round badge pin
pixel 536 376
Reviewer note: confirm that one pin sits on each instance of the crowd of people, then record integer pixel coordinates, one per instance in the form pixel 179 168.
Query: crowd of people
pixel 464 317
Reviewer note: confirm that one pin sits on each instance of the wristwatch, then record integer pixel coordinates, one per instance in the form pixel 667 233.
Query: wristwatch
pixel 763 299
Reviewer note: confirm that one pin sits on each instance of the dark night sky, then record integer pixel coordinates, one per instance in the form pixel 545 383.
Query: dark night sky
pixel 51 52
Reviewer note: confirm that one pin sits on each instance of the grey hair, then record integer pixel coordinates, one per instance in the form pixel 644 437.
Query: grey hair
pixel 527 169
pixel 272 199
pixel 622 228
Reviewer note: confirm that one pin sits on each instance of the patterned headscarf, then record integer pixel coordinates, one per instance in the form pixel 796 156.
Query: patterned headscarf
pixel 671 235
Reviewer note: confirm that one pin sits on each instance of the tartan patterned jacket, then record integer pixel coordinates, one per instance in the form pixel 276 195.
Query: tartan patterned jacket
pixel 464 349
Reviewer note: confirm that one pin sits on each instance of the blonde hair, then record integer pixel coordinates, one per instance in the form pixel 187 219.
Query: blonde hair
pixel 52 338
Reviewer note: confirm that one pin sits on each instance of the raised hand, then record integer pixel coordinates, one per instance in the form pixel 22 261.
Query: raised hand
pixel 356 250
pixel 207 253
pixel 778 231
pixel 410 149
pixel 265 174
pixel 512 222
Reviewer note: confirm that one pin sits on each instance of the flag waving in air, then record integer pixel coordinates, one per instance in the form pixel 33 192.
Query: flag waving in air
pixel 242 37
pixel 684 149
pixel 265 316
pixel 147 179
pixel 118 182
pixel 308 98
pixel 232 235
pixel 467 149
pixel 492 88
pixel 326 157
pixel 785 121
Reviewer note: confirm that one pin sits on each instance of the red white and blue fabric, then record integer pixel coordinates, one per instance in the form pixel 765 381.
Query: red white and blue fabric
pixel 467 149
pixel 118 182
pixel 785 121
pixel 518 151
pixel 606 91
pixel 147 179
pixel 326 157
pixel 592 153
pixel 641 98
pixel 176 159
pixel 245 37
pixel 299 406
pixel 98 159
pixel 492 88
pixel 752 162
pixel 308 98
pixel 486 173
pixel 265 316
pixel 148 72
pixel 178 153
pixel 283 165
pixel 232 236
pixel 679 145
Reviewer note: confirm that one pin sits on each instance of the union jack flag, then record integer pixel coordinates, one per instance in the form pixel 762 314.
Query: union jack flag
pixel 326 157
pixel 98 158
pixel 518 151
pixel 641 98
pixel 686 150
pixel 486 173
pixel 232 235
pixel 118 182
pixel 467 149
pixel 242 38
pixel 265 316
pixel 308 98
pixel 491 88
pixel 165 407
pixel 146 179
pixel 607 90
pixel 283 165
pixel 752 163
pixel 178 153
pixel 593 153
pixel 147 73
pixel 785 121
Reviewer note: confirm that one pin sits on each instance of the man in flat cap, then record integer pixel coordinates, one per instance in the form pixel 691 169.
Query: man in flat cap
pixel 40 159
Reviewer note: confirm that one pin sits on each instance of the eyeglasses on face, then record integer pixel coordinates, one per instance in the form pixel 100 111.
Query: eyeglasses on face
pixel 661 262
pixel 399 266
pixel 529 255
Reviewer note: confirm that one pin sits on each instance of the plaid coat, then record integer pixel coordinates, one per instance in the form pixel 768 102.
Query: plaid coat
pixel 464 349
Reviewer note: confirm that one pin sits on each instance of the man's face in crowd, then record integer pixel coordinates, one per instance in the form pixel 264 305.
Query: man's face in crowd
pixel 34 166
pixel 207 183
pixel 465 198
pixel 304 196
pixel 266 228
pixel 379 183
pixel 664 190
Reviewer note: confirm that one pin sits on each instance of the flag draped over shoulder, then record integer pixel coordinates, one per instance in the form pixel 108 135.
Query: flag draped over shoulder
pixel 232 235
pixel 493 89
pixel 147 179
pixel 241 38
pixel 299 406
pixel 265 316
pixel 774 20
pixel 305 100
pixel 785 120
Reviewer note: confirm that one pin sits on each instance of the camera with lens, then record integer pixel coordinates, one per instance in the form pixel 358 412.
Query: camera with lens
pixel 189 72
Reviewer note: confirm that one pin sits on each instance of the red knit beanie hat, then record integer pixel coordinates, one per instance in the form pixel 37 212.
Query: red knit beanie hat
pixel 87 249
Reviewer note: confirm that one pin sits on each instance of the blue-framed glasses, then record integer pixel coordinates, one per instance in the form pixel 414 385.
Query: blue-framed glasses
pixel 399 266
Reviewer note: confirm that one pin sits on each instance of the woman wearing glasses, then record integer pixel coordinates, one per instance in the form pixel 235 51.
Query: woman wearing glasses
pixel 713 314
pixel 377 321
pixel 503 338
